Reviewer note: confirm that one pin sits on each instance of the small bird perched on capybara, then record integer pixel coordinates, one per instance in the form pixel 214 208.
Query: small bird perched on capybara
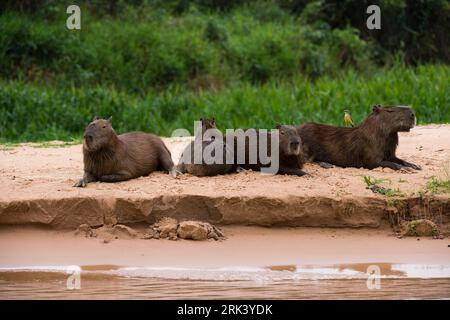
pixel 109 157
pixel 369 145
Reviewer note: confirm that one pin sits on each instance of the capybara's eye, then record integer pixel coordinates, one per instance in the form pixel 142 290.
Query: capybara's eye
pixel 104 127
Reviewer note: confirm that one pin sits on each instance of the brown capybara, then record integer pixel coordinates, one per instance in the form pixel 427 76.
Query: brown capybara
pixel 109 157
pixel 290 155
pixel 369 145
pixel 186 163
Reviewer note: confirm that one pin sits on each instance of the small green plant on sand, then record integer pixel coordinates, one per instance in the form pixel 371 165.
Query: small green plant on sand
pixel 371 181
pixel 373 184
pixel 439 184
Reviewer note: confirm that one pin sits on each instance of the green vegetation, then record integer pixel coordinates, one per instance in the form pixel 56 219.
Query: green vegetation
pixel 374 185
pixel 159 65
pixel 440 185
pixel 421 227
pixel 30 113
pixel 196 50
pixel 372 181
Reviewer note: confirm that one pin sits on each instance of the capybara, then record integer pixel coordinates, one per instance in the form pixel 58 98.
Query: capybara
pixel 109 157
pixel 187 165
pixel 290 155
pixel 369 145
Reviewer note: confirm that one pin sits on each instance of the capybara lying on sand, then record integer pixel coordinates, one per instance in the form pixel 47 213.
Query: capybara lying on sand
pixel 109 157
pixel 372 144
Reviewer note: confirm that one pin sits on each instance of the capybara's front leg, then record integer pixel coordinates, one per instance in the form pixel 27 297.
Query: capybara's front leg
pixel 239 169
pixel 405 163
pixel 181 168
pixel 87 177
pixel 115 177
pixel 325 165
pixel 174 172
pixel 167 163
pixel 292 171
pixel 393 165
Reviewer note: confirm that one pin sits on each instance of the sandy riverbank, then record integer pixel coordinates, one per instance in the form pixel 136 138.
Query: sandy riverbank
pixel 36 188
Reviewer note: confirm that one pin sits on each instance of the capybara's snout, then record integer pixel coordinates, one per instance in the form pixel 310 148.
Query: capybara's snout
pixel 89 134
pixel 89 137
pixel 411 116
pixel 294 146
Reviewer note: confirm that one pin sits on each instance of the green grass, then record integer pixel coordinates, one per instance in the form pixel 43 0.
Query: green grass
pixel 440 184
pixel 39 112
pixel 371 181
pixel 373 184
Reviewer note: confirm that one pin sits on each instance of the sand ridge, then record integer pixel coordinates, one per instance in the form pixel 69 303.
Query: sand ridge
pixel 36 187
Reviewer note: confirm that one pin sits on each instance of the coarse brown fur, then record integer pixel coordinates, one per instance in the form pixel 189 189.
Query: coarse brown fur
pixel 187 165
pixel 291 159
pixel 371 144
pixel 109 157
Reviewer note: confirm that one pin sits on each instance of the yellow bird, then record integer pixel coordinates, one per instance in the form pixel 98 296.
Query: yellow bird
pixel 348 119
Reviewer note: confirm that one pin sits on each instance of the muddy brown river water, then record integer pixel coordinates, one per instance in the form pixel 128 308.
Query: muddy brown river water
pixel 396 281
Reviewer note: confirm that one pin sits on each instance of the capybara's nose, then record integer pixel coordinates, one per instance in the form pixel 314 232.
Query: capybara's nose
pixel 89 137
pixel 412 115
pixel 294 144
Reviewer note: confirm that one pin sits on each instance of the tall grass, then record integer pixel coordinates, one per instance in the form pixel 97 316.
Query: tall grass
pixel 31 113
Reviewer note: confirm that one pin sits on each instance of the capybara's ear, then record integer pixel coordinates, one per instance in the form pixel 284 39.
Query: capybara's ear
pixel 95 118
pixel 109 119
pixel 213 121
pixel 278 126
pixel 201 119
pixel 376 108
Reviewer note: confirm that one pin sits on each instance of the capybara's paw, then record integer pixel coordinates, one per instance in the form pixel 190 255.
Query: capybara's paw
pixel 306 174
pixel 406 169
pixel 240 169
pixel 415 167
pixel 80 184
pixel 325 165
pixel 174 172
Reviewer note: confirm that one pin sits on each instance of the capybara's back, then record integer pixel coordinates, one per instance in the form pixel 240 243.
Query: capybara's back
pixel 326 143
pixel 142 152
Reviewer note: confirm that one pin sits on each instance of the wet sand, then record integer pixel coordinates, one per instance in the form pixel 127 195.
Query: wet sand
pixel 252 263
pixel 244 246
